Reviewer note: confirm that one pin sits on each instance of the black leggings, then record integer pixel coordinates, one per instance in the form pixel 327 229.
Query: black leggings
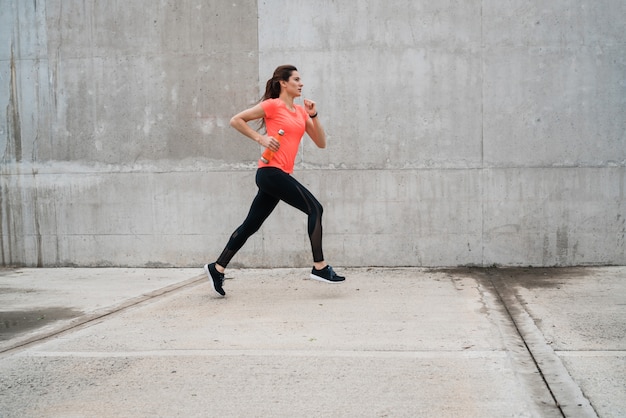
pixel 276 185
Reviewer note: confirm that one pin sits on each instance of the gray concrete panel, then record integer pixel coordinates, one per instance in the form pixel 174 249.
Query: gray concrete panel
pixel 535 23
pixel 565 107
pixel 554 216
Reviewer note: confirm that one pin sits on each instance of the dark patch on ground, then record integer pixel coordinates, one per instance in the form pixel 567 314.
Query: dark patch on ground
pixel 5 271
pixel 12 290
pixel 13 323
pixel 528 277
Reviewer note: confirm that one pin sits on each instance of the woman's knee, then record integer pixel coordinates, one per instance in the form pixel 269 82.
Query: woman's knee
pixel 319 209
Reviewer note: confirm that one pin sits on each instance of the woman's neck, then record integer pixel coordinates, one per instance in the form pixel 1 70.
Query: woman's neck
pixel 288 100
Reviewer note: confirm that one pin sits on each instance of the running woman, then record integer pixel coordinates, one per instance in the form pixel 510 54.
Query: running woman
pixel 277 111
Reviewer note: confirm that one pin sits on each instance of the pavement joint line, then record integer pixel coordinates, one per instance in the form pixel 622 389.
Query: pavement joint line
pixel 528 375
pixel 276 353
pixel 89 318
pixel 566 393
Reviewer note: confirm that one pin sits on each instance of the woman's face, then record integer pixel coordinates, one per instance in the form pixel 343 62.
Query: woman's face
pixel 293 86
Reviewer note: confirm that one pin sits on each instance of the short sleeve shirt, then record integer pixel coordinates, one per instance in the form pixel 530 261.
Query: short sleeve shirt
pixel 278 116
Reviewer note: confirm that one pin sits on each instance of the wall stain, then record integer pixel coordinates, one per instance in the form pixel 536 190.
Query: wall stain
pixel 3 262
pixel 14 131
pixel 38 238
pixel 13 153
pixel 562 245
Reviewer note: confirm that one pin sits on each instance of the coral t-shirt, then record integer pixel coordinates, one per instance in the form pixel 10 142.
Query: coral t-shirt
pixel 278 116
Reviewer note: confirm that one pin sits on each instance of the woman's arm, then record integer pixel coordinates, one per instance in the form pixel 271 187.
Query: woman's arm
pixel 240 123
pixel 316 131
pixel 314 127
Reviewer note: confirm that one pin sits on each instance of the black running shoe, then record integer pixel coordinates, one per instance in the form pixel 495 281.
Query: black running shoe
pixel 327 274
pixel 215 278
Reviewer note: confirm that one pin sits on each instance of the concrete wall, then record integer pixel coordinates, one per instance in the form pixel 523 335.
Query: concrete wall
pixel 460 133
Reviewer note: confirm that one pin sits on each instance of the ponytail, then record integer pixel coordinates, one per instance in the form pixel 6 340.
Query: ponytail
pixel 272 89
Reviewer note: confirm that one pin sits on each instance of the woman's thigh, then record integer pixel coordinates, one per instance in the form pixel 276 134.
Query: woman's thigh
pixel 286 188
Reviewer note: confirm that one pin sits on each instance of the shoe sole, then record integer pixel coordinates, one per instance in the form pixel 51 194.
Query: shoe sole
pixel 321 279
pixel 208 273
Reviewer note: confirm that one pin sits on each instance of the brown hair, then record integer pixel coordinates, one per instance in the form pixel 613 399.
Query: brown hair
pixel 272 87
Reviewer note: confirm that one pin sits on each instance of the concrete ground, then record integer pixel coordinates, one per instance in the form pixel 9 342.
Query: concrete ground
pixel 386 343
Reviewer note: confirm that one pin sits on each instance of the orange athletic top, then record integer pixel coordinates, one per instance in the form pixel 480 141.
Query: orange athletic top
pixel 277 117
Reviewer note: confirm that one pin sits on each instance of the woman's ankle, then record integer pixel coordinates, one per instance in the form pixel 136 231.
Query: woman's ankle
pixel 320 265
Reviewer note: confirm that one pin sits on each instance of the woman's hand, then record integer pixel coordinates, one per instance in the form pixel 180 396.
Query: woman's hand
pixel 309 106
pixel 269 142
